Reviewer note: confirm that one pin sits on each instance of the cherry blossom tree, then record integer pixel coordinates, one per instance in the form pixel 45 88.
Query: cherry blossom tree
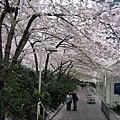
pixel 86 34
pixel 92 28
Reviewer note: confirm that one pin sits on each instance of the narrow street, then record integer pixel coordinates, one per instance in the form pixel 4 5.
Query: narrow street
pixel 84 111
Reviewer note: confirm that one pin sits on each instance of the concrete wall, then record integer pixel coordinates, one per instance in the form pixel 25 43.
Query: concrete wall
pixel 111 98
pixel 114 97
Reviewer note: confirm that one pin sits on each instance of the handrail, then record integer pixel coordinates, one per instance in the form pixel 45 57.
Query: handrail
pixel 38 110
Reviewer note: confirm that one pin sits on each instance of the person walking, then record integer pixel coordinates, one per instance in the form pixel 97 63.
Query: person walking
pixel 82 87
pixel 68 101
pixel 75 99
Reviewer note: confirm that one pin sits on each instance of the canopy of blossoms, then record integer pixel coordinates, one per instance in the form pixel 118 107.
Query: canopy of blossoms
pixel 89 31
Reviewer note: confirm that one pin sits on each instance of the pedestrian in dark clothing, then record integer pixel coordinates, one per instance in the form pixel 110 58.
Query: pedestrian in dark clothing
pixel 75 99
pixel 82 87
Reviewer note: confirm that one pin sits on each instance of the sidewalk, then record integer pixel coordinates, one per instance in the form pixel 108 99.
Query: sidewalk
pixel 84 111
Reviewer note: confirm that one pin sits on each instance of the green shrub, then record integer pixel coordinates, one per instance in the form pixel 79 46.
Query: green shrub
pixel 20 94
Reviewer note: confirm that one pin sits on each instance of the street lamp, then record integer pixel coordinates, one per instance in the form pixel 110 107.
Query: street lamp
pixel 49 49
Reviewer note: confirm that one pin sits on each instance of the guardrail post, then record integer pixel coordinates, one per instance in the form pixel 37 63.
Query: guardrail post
pixel 38 110
pixel 43 114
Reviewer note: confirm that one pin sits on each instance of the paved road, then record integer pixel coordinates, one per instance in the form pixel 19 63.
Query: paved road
pixel 84 111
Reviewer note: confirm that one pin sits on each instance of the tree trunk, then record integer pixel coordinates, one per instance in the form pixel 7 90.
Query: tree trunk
pixel 1 52
pixel 46 65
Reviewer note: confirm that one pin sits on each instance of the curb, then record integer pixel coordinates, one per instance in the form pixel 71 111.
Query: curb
pixel 57 112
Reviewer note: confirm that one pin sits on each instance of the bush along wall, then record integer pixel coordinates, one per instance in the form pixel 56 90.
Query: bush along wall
pixel 20 94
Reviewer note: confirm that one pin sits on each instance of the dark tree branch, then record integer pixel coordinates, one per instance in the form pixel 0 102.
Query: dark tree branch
pixel 22 43
pixel 113 31
pixel 16 9
pixel 46 65
pixel 61 42
pixel 35 57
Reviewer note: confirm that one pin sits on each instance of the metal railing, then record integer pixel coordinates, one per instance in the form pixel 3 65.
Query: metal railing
pixel 113 116
pixel 106 109
pixel 109 113
pixel 39 105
